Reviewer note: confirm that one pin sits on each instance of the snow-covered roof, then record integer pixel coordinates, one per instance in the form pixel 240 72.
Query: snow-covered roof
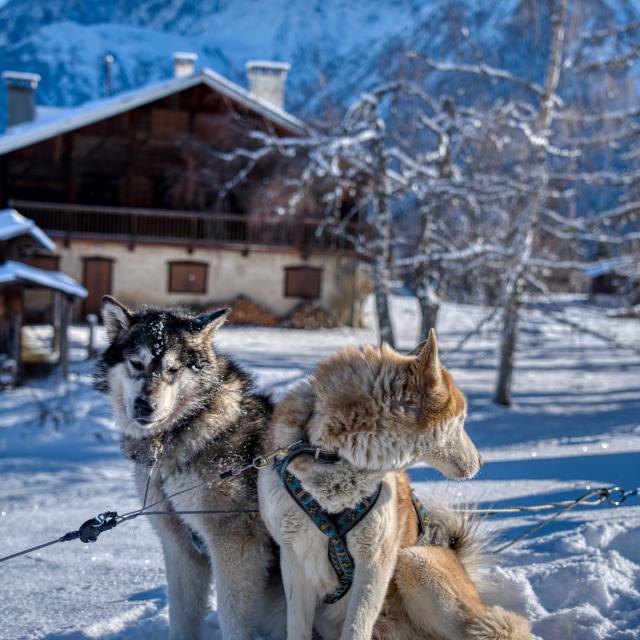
pixel 13 225
pixel 94 111
pixel 18 272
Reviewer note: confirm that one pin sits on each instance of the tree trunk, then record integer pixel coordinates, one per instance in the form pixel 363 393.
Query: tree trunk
pixel 381 244
pixel 383 313
pixel 524 240
pixel 508 344
pixel 429 306
pixel 429 318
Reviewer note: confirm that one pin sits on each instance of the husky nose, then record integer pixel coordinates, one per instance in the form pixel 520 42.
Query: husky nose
pixel 142 408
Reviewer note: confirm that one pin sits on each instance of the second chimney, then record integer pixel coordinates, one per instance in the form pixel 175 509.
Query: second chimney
pixel 184 64
pixel 267 80
pixel 21 96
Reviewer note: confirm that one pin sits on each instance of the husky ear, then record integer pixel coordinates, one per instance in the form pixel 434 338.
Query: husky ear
pixel 428 361
pixel 116 316
pixel 210 322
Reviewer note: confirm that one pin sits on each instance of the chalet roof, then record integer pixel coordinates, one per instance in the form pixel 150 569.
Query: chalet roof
pixel 19 273
pixel 14 225
pixel 61 121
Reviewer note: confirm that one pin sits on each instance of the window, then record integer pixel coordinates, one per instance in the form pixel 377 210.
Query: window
pixel 188 277
pixel 46 263
pixel 302 282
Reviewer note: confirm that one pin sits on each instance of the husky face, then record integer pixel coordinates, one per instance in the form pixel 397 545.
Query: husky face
pixel 382 410
pixel 159 367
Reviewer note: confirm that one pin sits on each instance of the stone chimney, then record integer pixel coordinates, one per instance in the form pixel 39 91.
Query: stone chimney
pixel 21 96
pixel 267 80
pixel 184 64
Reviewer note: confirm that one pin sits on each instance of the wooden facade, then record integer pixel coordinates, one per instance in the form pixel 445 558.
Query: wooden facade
pixel 166 155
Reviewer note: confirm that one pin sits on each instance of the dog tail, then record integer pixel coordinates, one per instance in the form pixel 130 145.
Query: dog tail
pixel 471 541
pixel 464 535
pixel 498 624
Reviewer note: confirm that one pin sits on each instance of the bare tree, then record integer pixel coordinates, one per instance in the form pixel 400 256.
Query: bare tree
pixel 457 194
pixel 550 171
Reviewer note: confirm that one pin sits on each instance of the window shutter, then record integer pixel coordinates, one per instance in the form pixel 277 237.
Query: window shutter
pixel 188 277
pixel 302 282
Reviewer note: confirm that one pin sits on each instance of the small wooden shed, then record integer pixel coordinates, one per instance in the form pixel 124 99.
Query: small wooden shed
pixel 21 241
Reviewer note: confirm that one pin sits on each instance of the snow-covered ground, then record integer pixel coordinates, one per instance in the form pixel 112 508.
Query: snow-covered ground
pixel 575 423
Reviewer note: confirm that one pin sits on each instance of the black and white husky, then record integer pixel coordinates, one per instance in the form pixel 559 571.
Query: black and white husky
pixel 196 413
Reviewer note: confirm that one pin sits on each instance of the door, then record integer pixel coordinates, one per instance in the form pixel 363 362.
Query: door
pixel 97 281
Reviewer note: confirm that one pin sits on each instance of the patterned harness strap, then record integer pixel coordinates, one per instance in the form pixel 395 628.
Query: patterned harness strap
pixel 336 526
pixel 423 520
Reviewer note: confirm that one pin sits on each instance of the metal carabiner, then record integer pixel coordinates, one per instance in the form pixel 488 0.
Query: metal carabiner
pixel 615 496
pixel 259 462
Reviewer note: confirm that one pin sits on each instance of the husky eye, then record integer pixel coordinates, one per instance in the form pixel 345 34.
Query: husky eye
pixel 136 364
pixel 173 370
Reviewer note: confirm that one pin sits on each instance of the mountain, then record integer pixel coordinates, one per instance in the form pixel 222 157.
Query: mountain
pixel 337 48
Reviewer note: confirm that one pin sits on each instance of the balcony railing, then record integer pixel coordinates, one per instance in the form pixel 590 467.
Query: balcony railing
pixel 134 225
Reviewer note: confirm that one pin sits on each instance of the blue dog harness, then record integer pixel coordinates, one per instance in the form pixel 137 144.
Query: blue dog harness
pixel 336 525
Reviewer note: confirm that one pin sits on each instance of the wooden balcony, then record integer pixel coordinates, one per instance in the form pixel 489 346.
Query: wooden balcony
pixel 158 226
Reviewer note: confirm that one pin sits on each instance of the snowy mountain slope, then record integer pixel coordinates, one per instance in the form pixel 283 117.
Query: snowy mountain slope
pixel 337 48
pixel 575 423
pixel 66 42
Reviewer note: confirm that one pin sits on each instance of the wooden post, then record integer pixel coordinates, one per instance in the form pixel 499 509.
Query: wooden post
pixel 64 335
pixel 16 337
pixel 56 321
pixel 92 321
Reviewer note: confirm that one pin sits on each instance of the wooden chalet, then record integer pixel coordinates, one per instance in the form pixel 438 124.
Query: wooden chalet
pixel 148 198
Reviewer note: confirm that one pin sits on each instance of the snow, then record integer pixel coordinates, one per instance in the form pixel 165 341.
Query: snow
pixel 13 225
pixel 575 424
pixel 11 272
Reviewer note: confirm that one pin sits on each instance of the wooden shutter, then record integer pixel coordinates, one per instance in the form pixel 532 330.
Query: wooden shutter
pixel 188 277
pixel 46 263
pixel 302 282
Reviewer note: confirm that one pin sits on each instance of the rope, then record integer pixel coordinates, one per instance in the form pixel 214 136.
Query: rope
pixel 613 496
pixel 30 550
pixel 91 529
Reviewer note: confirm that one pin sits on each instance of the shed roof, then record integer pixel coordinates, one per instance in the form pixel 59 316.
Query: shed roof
pixel 70 119
pixel 14 225
pixel 12 272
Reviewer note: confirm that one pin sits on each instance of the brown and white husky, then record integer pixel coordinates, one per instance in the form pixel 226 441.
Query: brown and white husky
pixel 381 412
